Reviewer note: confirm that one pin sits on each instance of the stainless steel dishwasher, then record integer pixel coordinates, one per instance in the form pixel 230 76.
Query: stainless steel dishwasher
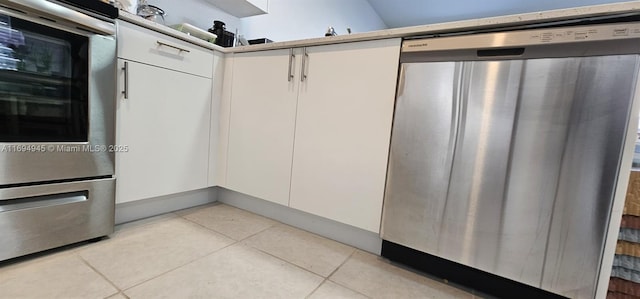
pixel 506 149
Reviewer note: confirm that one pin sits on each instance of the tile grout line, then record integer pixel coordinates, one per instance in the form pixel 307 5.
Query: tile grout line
pixel 178 267
pixel 316 289
pixel 281 259
pixel 257 233
pixel 336 270
pixel 160 218
pixel 294 265
pixel 324 279
pixel 187 211
pixel 121 291
pixel 208 229
pixel 343 262
pixel 100 273
pixel 280 223
pixel 276 223
pixel 247 237
pixel 154 221
pixel 438 282
pixel 288 262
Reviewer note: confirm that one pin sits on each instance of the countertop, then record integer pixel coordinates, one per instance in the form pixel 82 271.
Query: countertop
pixel 632 7
pixel 131 18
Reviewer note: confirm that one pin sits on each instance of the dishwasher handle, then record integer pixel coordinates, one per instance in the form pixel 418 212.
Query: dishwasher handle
pixel 500 52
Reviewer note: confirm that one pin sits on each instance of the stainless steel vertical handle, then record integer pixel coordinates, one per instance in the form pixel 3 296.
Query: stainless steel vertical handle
pixel 125 91
pixel 292 58
pixel 304 71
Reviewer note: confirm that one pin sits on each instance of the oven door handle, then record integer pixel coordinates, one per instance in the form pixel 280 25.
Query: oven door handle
pixel 42 201
pixel 57 11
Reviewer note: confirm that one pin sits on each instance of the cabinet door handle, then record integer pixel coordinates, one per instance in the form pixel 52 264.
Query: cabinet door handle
pixel 125 91
pixel 305 71
pixel 172 46
pixel 292 58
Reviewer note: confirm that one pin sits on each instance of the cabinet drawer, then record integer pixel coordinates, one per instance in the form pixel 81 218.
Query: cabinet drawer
pixel 147 46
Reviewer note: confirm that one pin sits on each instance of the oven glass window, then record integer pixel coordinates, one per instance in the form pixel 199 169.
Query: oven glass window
pixel 43 83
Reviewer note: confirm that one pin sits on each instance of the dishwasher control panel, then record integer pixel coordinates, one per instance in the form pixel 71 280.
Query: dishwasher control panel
pixel 526 37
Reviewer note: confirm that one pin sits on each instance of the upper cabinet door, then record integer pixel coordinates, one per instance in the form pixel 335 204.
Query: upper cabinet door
pixel 345 110
pixel 262 123
pixel 242 8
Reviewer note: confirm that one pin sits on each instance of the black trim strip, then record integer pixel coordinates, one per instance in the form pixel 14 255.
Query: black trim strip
pixel 95 6
pixel 5 186
pixel 500 52
pixel 485 282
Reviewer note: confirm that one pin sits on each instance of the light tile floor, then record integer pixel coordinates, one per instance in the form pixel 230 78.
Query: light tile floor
pixel 213 251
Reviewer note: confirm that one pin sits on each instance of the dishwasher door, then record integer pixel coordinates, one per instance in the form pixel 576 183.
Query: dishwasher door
pixel 510 166
pixel 421 154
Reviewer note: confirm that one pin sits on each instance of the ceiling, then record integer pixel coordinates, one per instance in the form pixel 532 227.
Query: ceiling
pixel 402 13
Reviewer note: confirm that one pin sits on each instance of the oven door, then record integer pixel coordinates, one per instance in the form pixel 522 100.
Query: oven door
pixel 57 89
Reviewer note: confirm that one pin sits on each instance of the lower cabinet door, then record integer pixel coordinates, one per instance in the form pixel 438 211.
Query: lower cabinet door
pixel 343 127
pixel 262 124
pixel 162 132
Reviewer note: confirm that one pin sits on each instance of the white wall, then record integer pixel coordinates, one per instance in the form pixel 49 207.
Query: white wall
pixel 199 13
pixel 401 13
pixel 301 19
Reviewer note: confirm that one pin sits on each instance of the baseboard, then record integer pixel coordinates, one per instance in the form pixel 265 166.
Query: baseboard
pixel 131 211
pixel 356 237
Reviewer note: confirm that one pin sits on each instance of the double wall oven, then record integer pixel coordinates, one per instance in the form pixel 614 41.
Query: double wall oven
pixel 57 92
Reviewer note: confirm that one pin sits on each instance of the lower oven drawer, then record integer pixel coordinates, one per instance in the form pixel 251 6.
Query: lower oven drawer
pixel 36 218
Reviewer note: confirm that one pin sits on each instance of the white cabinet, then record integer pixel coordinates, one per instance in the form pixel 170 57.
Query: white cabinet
pixel 163 116
pixel 343 127
pixel 164 122
pixel 242 8
pixel 154 48
pixel 220 113
pixel 262 123
pixel 337 101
